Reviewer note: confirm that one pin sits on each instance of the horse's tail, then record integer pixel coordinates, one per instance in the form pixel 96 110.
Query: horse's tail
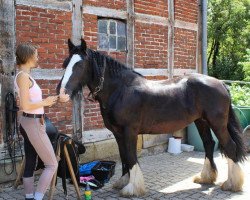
pixel 236 134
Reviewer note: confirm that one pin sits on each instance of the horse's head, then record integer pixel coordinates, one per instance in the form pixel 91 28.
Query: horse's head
pixel 76 70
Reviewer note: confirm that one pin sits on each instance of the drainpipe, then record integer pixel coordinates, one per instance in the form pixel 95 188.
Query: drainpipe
pixel 204 36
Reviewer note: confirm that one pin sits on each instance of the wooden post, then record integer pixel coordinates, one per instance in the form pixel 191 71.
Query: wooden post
pixel 170 38
pixel 7 36
pixel 77 22
pixel 7 57
pixel 130 33
pixel 78 110
pixel 78 107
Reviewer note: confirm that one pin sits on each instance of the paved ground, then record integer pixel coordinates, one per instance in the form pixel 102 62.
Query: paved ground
pixel 166 176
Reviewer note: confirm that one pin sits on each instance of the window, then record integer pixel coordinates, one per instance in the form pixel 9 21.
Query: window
pixel 111 35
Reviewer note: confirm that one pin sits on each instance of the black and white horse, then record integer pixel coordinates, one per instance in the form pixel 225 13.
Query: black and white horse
pixel 131 105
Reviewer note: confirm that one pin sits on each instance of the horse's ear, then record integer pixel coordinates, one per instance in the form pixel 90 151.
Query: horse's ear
pixel 70 45
pixel 83 45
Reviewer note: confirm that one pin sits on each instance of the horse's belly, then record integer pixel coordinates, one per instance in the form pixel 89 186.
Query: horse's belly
pixel 163 128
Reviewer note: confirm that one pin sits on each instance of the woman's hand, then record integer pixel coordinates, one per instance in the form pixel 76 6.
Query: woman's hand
pixel 50 101
pixel 63 97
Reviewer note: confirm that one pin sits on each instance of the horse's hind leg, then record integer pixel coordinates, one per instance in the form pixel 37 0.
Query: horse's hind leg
pixel 136 186
pixel 229 148
pixel 235 179
pixel 208 174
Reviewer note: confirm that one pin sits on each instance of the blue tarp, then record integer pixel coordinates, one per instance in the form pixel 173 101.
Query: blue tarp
pixel 85 169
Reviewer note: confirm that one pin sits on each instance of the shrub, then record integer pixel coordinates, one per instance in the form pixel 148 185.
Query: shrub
pixel 240 94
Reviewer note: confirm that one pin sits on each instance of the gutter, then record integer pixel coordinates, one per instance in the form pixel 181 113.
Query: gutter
pixel 204 35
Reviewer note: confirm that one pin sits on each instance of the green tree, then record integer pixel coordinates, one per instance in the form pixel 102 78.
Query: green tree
pixel 246 66
pixel 228 38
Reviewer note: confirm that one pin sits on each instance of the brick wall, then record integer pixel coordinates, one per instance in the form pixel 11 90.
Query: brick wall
pixel 47 28
pixel 150 46
pixel 185 48
pixel 185 40
pixel 92 114
pixel 50 29
pixel 186 10
pixel 155 7
pixel 115 4
pixel 90 30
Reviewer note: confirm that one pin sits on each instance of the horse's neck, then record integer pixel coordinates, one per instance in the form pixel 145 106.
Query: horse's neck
pixel 109 86
pixel 115 76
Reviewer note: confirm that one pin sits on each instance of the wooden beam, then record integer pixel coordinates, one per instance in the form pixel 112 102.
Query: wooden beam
pixel 56 74
pixel 170 38
pixel 78 107
pixel 151 19
pixel 77 22
pixel 105 12
pixel 7 57
pixel 185 25
pixel 130 33
pixel 7 36
pixel 47 4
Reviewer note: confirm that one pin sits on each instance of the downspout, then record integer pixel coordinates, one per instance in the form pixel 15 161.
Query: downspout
pixel 204 36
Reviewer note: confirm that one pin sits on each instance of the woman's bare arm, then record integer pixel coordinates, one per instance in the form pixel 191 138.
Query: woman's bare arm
pixel 25 103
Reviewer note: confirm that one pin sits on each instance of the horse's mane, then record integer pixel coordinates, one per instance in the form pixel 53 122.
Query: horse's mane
pixel 114 67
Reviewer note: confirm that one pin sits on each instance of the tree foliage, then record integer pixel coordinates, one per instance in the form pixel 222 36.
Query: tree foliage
pixel 228 38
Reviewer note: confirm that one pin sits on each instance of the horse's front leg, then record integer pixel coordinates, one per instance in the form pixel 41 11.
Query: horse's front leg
pixel 136 186
pixel 120 183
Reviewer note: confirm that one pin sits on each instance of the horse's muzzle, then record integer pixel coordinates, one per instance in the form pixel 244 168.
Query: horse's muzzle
pixel 63 97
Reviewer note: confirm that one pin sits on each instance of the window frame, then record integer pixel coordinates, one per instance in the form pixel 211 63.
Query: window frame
pixel 108 34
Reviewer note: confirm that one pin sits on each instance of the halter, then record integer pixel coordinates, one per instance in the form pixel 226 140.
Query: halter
pixel 99 87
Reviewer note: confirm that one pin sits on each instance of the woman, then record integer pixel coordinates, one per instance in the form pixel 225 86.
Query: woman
pixel 32 127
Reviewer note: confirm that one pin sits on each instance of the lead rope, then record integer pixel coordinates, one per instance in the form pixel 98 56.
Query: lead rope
pixel 12 138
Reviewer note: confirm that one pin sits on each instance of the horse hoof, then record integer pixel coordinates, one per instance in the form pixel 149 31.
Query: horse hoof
pixel 197 179
pixel 208 174
pixel 205 180
pixel 121 182
pixel 130 190
pixel 235 179
pixel 118 185
pixel 228 186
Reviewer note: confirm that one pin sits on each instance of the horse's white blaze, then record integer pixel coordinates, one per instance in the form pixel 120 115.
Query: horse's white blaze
pixel 235 179
pixel 74 59
pixel 136 185
pixel 208 174
pixel 119 184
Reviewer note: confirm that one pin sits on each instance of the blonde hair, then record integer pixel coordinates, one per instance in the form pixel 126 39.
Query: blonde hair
pixel 24 52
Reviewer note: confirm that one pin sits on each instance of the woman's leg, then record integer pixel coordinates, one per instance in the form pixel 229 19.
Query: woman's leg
pixel 41 143
pixel 30 164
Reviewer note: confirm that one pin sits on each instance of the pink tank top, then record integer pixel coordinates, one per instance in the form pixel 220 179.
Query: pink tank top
pixel 35 95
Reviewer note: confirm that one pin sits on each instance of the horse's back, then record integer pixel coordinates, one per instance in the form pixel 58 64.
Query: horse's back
pixel 207 85
pixel 210 94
